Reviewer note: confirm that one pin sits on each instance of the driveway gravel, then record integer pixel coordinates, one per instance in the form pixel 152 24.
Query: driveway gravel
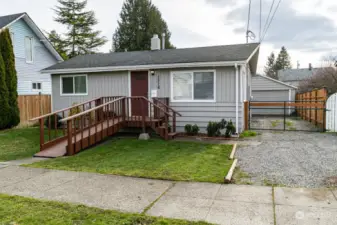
pixel 295 159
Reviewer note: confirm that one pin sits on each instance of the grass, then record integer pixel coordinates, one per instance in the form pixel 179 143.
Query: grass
pixel 275 123
pixel 241 177
pixel 158 159
pixel 289 123
pixel 27 211
pixel 248 133
pixel 18 143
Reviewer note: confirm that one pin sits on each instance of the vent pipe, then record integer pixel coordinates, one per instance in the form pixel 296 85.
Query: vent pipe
pixel 163 41
pixel 155 42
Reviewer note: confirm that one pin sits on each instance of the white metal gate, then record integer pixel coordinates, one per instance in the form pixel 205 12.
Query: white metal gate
pixel 331 113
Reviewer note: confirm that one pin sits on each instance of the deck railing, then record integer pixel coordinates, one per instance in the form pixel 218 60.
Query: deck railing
pixel 164 104
pixel 52 131
pixel 92 126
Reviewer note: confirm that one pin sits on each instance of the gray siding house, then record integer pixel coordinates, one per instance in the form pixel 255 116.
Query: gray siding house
pixel 203 84
pixel 32 51
pixel 268 89
pixel 295 76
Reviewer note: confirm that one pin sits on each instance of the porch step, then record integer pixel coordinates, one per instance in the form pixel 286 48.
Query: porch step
pixel 172 134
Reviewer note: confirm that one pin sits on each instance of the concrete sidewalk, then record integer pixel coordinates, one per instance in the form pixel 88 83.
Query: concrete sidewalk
pixel 215 203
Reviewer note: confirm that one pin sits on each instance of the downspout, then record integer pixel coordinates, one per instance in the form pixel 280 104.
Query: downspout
pixel 236 97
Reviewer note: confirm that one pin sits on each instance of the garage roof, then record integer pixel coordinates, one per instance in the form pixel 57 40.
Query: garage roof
pixel 287 86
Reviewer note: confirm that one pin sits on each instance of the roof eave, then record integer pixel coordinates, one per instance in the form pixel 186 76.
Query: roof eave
pixel 143 67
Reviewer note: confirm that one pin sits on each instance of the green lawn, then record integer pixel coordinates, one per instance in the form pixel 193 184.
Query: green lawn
pixel 21 143
pixel 181 161
pixel 27 211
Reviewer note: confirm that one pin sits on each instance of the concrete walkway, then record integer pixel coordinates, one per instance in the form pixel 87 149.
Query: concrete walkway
pixel 215 203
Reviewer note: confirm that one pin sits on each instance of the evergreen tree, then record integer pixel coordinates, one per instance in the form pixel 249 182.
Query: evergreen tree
pixel 59 44
pixel 4 106
pixel 269 69
pixel 7 53
pixel 283 60
pixel 80 38
pixel 139 21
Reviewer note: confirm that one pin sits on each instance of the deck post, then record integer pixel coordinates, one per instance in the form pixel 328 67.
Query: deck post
pixel 166 127
pixel 70 149
pixel 174 122
pixel 41 133
pixel 143 116
pixel 123 110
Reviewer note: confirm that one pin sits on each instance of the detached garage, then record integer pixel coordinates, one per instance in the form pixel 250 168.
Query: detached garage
pixel 271 90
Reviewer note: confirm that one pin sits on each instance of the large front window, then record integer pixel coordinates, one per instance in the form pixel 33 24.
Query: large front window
pixel 193 86
pixel 74 85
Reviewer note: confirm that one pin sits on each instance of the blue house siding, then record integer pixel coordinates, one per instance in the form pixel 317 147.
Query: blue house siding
pixel 30 72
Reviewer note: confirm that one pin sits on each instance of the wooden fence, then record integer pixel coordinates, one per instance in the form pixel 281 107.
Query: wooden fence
pixel 31 106
pixel 313 114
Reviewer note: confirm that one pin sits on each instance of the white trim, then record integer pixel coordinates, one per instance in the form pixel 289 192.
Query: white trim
pixel 142 67
pixel 253 53
pixel 192 72
pixel 14 21
pixel 129 91
pixel 236 97
pixel 277 81
pixel 32 49
pixel 241 84
pixel 73 76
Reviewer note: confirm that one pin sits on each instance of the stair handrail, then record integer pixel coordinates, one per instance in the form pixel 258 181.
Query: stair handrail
pixel 168 107
pixel 65 109
pixel 155 105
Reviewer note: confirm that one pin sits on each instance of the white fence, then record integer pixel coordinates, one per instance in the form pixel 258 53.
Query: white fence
pixel 331 113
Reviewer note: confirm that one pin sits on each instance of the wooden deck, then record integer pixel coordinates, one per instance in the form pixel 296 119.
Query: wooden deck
pixel 89 137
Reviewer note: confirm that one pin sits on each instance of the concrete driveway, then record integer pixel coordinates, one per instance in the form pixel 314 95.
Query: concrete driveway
pixel 215 203
pixel 293 158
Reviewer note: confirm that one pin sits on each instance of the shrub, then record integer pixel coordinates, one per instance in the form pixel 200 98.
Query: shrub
pixel 4 106
pixel 214 128
pixel 52 122
pixel 188 128
pixel 191 130
pixel 6 50
pixel 195 129
pixel 230 129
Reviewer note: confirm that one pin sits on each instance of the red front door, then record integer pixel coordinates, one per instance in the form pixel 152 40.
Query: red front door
pixel 139 87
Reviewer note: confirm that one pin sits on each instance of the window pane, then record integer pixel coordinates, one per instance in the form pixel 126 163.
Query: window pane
pixel 67 85
pixel 34 85
pixel 203 86
pixel 28 49
pixel 182 86
pixel 80 85
pixel 39 86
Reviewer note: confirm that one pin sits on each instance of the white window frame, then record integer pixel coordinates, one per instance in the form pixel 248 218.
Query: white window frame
pixel 32 48
pixel 194 71
pixel 73 76
pixel 37 82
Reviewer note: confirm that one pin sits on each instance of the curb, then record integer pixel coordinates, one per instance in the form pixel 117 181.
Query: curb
pixel 228 178
pixel 233 151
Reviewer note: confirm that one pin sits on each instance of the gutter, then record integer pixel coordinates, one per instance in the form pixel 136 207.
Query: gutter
pixel 141 67
pixel 236 97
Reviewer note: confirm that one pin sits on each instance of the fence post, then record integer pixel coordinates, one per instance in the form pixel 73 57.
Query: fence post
pixel 316 113
pixel 246 114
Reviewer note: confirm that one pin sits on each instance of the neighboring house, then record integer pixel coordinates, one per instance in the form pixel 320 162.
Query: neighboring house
pixel 33 52
pixel 295 76
pixel 203 84
pixel 267 89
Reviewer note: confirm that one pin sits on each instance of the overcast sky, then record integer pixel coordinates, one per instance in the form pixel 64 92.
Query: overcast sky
pixel 307 28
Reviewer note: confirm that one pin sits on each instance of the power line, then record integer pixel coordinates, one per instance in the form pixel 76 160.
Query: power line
pixel 247 32
pixel 279 2
pixel 260 20
pixel 267 20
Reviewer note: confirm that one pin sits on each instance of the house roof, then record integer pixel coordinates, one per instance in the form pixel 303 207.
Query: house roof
pixel 276 81
pixel 158 59
pixel 296 74
pixel 7 20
